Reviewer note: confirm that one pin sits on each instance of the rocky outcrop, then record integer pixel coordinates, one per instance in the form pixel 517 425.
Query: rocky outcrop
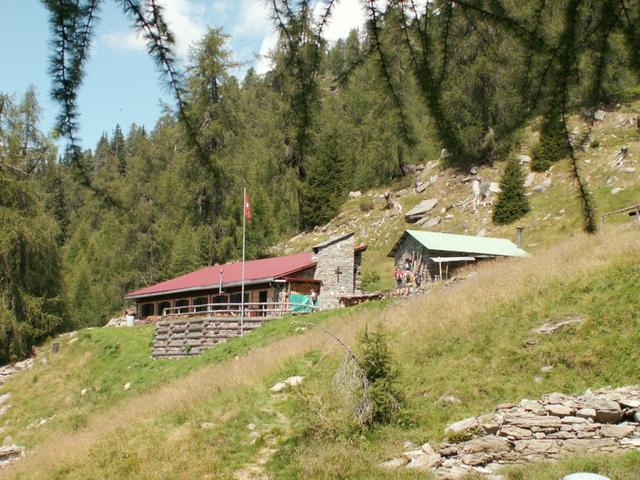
pixel 534 430
pixel 420 210
pixel 8 370
pixel 10 454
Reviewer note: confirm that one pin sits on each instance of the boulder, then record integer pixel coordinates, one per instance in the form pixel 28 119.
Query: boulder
pixel 536 447
pixel 531 177
pixel 429 222
pixel 394 463
pixel 522 159
pixel 488 443
pixel 599 115
pixel 10 454
pixel 607 411
pixel 586 413
pixel 517 433
pixel 421 209
pixel 293 381
pixel 559 410
pixel 425 462
pixel 474 459
pixel 543 186
pixel 421 187
pixel 617 431
pixel 463 425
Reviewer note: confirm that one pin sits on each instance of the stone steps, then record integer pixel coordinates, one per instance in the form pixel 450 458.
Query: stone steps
pixel 189 337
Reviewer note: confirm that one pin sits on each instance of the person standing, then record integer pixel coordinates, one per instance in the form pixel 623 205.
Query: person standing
pixel 398 275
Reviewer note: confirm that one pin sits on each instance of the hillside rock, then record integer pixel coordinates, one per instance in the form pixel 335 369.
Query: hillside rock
pixel 535 430
pixel 599 115
pixel 531 177
pixel 543 186
pixel 289 382
pixel 10 454
pixel 355 194
pixel 8 370
pixel 420 210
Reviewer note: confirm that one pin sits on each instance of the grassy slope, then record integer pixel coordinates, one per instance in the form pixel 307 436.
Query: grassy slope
pixel 476 354
pixel 101 361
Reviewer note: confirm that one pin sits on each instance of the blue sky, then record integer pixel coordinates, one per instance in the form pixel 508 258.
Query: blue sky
pixel 121 85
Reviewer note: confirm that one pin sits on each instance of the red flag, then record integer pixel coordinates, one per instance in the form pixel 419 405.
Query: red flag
pixel 247 210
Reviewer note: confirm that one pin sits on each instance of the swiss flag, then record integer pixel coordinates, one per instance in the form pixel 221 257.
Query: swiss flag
pixel 247 210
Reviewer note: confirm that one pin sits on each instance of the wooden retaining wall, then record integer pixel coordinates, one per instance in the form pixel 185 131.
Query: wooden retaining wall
pixel 192 336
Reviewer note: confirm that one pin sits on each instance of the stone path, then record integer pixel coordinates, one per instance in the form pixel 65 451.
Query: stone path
pixel 272 436
pixel 603 420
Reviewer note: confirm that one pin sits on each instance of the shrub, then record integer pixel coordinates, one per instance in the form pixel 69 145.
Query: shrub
pixel 370 280
pixel 365 204
pixel 381 393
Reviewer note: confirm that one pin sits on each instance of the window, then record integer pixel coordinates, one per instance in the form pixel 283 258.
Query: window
pixel 184 303
pixel 162 306
pixel 202 301
pixel 236 298
pixel 220 302
pixel 148 309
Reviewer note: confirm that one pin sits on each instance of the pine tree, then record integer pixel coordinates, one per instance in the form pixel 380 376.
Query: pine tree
pixel 512 202
pixel 552 145
pixel 118 150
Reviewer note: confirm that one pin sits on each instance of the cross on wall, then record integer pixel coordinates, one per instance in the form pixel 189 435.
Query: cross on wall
pixel 338 272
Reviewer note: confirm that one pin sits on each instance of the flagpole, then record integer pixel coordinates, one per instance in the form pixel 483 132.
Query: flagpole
pixel 244 221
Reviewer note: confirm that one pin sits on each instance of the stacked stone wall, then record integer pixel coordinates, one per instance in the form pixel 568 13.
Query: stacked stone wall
pixel 331 257
pixel 600 421
pixel 182 338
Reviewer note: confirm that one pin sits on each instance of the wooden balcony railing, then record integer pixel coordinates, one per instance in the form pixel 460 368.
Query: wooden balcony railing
pixel 251 309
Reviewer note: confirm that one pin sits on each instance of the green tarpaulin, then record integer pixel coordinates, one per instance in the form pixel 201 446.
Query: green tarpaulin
pixel 301 303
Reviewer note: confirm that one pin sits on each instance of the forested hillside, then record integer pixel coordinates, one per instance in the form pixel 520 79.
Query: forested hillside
pixel 82 228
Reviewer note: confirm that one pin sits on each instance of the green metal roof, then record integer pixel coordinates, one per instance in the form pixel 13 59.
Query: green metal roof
pixel 449 242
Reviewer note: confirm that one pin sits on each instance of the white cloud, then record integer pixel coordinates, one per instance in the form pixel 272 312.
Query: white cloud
pixel 345 16
pixel 185 20
pixel 264 62
pixel 254 19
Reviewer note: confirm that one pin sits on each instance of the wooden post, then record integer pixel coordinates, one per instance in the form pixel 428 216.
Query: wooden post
pixel 519 236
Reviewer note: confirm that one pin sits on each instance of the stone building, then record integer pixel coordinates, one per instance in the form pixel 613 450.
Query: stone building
pixel 438 255
pixel 339 268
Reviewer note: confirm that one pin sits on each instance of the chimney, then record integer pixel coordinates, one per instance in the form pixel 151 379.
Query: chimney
pixel 519 236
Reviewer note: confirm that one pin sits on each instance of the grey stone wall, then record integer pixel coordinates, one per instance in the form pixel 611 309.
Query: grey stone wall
pixel 407 248
pixel 331 257
pixel 181 338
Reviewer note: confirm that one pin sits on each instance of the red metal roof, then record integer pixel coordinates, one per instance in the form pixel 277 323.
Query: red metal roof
pixel 209 277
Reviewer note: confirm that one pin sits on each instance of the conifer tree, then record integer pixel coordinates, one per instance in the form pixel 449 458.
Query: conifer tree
pixel 512 202
pixel 552 145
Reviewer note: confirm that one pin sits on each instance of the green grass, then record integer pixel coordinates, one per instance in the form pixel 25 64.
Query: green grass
pixel 476 352
pixel 102 360
pixel 484 363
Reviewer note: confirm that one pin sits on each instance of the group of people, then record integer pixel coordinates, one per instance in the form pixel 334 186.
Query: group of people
pixel 408 280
